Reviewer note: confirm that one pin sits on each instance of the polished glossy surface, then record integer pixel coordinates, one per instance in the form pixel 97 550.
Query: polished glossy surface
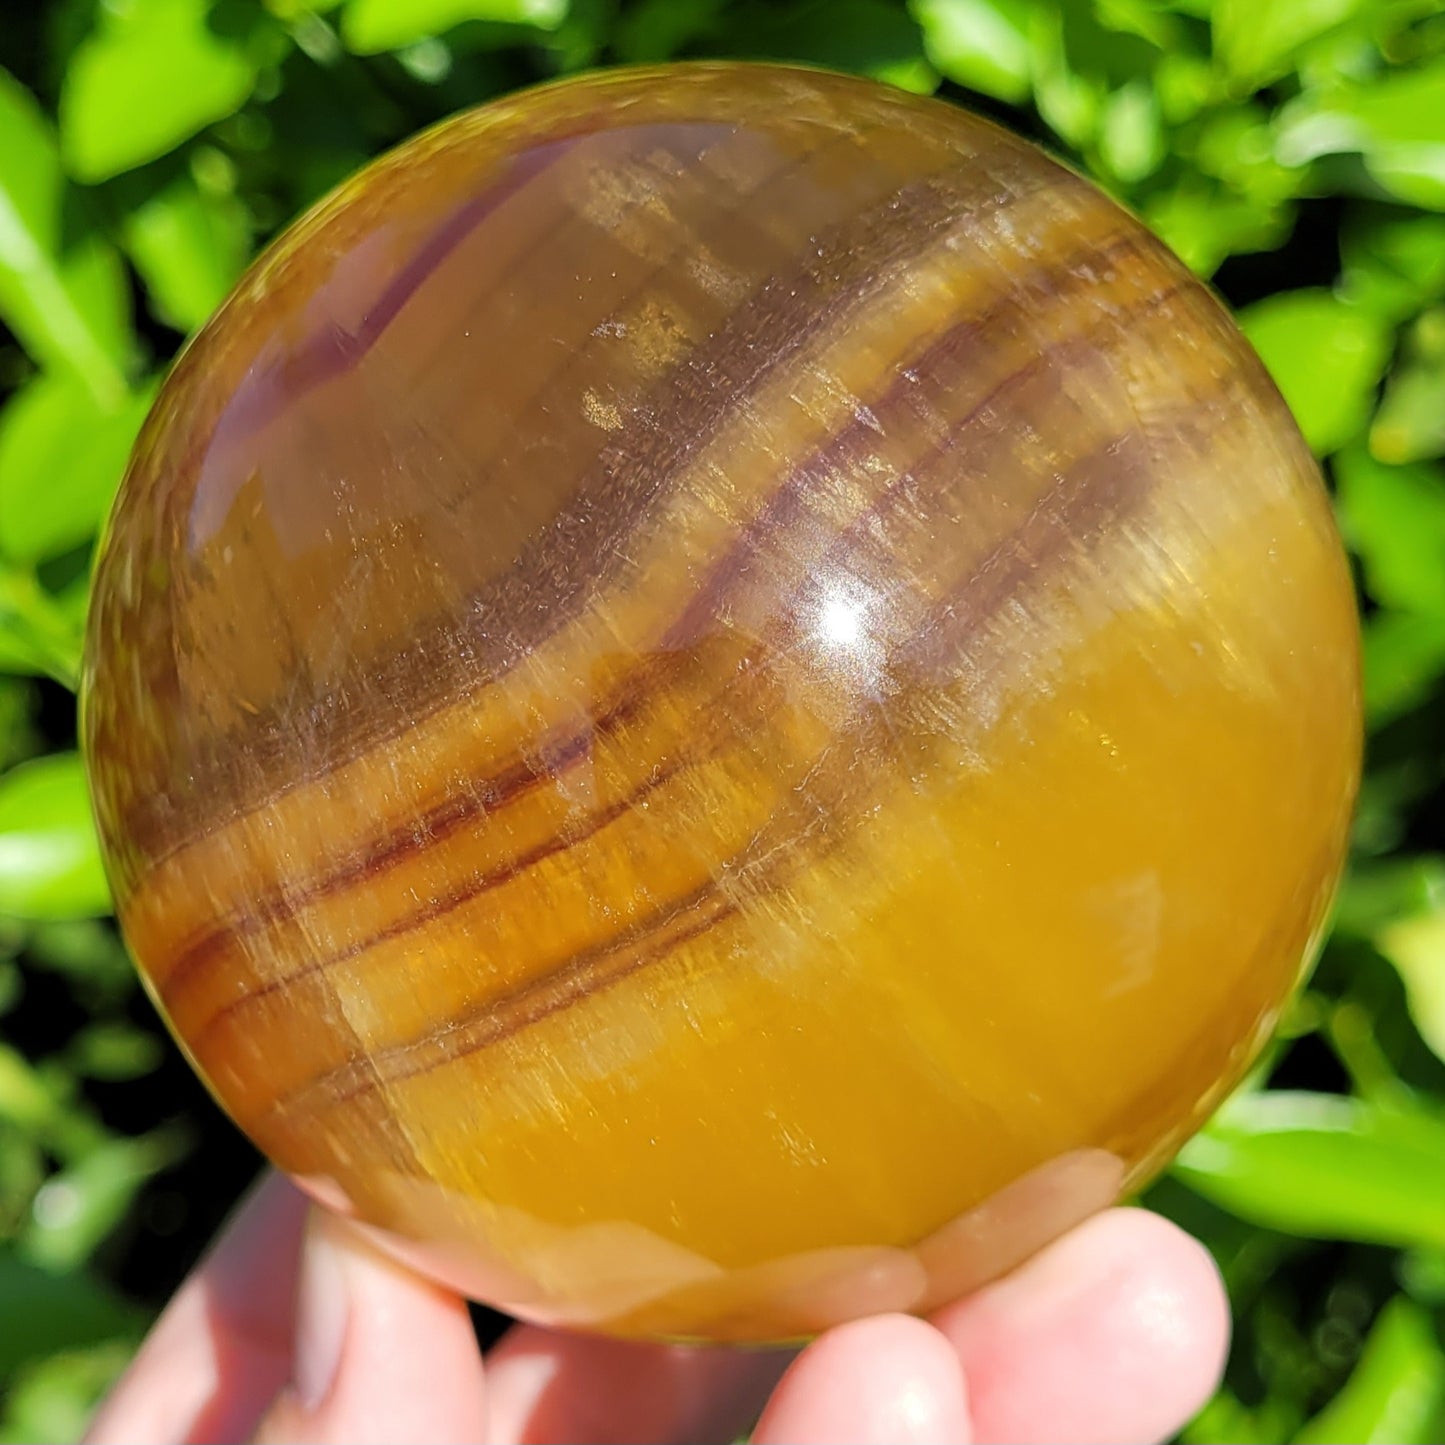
pixel 723 699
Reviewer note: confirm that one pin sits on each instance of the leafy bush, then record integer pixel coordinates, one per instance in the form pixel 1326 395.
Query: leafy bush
pixel 1293 150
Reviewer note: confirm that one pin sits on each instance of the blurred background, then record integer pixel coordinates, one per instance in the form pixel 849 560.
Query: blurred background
pixel 1292 151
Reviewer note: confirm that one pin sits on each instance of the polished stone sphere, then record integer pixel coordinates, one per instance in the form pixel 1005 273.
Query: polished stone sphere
pixel 720 698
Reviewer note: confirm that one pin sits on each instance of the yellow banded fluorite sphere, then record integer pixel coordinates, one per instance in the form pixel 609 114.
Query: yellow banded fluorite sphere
pixel 721 699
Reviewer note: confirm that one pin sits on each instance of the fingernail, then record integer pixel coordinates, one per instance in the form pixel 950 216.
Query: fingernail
pixel 322 1309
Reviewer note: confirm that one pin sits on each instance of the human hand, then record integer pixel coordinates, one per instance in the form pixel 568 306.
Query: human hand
pixel 295 1329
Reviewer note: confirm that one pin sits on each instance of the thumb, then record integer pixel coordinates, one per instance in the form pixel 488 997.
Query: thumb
pixel 380 1355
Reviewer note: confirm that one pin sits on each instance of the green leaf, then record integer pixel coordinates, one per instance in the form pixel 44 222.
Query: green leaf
pixel 295 12
pixel 1397 123
pixel 46 1312
pixel 868 37
pixel 369 26
pixel 51 1400
pixel 1394 260
pixel 1236 144
pixel 1404 659
pixel 1325 355
pixel 25 1100
pixel 1416 946
pixel 62 291
pixel 1131 133
pixel 16 654
pixel 1376 893
pixel 1410 424
pixel 150 76
pixel 1206 224
pixel 1257 42
pixel 79 1206
pixel 39 634
pixel 20 737
pixel 189 246
pixel 659 29
pixel 113 1052
pixel 49 858
pixel 1324 1167
pixel 1225 1417
pixel 87 952
pixel 1069 95
pixel 39 1102
pixel 1145 19
pixel 980 44
pixel 61 459
pixel 1396 1394
pixel 1394 517
pixel 1422 1274
pixel 1185 84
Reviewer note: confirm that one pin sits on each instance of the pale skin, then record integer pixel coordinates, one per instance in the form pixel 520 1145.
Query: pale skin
pixel 294 1328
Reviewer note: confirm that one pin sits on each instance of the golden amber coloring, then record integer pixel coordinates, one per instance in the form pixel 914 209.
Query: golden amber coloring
pixel 721 698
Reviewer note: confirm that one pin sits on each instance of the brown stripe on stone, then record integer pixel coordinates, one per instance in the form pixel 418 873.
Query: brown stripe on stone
pixel 447 902
pixel 165 817
pixel 434 827
pixel 865 532
pixel 1040 284
pixel 650 942
pixel 333 351
pixel 161 822
pixel 466 892
pixel 555 756
pixel 1113 482
pixel 1082 503
pixel 693 402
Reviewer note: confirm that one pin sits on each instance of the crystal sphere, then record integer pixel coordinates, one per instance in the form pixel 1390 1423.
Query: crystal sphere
pixel 720 698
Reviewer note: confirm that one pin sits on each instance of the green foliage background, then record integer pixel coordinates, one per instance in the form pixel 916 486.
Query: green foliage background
pixel 1293 150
